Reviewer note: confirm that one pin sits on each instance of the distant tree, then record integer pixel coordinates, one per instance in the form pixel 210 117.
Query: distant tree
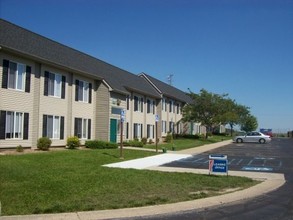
pixel 233 113
pixel 207 108
pixel 249 123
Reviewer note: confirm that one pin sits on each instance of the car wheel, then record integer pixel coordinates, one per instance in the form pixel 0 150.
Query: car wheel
pixel 239 140
pixel 262 141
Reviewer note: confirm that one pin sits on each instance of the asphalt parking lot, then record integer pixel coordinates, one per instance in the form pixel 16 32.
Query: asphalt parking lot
pixel 241 157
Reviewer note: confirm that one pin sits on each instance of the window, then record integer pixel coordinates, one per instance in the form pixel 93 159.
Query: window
pixel 178 108
pixel 164 105
pixel 138 104
pixel 179 128
pixel 53 126
pixel 16 76
pixel 148 106
pixel 150 131
pixel 83 91
pixel 127 102
pixel 137 130
pixel 127 130
pixel 164 127
pixel 171 127
pixel 116 111
pixel 82 128
pixel 151 106
pixel 14 125
pixel 54 85
pixel 171 103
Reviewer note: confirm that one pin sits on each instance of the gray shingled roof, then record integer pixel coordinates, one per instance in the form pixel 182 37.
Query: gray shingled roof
pixel 167 90
pixel 20 40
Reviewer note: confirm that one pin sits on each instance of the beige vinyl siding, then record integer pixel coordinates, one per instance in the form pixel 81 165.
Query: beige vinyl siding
pixel 102 112
pixel 159 113
pixel 53 105
pixel 35 117
pixel 69 126
pixel 19 101
pixel 81 109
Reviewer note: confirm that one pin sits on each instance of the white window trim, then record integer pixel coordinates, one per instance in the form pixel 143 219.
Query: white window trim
pixel 20 124
pixel 23 75
pixel 85 91
pixel 57 86
pixel 55 128
pixel 139 103
pixel 84 129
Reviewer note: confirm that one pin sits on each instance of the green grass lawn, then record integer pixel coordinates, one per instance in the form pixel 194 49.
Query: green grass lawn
pixel 74 180
pixel 185 143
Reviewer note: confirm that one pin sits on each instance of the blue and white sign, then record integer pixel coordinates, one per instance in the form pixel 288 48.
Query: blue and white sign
pixel 218 164
pixel 157 118
pixel 122 116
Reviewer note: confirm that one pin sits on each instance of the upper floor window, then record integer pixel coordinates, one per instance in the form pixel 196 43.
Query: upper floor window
pixel 54 85
pixel 164 105
pixel 14 125
pixel 151 106
pixel 83 91
pixel 16 76
pixel 171 104
pixel 178 108
pixel 127 102
pixel 138 104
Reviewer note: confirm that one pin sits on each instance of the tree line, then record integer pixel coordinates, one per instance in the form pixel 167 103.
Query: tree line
pixel 213 110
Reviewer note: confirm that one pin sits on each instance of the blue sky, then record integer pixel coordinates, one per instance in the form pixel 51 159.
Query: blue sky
pixel 243 48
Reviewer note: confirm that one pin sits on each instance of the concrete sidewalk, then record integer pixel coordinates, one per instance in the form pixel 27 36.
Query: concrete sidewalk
pixel 270 182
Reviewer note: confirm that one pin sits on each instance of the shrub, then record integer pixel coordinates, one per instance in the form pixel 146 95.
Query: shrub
pixel 126 143
pixel 151 141
pixel 136 143
pixel 96 144
pixel 169 137
pixel 73 142
pixel 144 140
pixel 44 143
pixel 19 148
pixel 188 136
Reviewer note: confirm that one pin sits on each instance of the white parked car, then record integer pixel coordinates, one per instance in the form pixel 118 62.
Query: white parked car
pixel 253 136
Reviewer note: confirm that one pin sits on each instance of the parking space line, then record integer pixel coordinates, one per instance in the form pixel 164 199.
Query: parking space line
pixel 239 162
pixel 250 162
pixel 231 161
pixel 195 161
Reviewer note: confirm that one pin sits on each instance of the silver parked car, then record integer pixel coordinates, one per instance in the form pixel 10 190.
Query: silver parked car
pixel 254 136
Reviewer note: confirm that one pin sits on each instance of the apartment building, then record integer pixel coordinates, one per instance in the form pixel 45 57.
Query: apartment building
pixel 49 89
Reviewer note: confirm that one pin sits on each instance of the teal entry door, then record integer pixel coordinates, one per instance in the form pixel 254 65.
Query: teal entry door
pixel 113 130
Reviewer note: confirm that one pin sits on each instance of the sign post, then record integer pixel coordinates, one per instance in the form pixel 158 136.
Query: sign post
pixel 122 118
pixel 218 164
pixel 157 119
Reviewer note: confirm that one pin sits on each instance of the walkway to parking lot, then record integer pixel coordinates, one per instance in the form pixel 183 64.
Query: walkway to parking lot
pixel 270 182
